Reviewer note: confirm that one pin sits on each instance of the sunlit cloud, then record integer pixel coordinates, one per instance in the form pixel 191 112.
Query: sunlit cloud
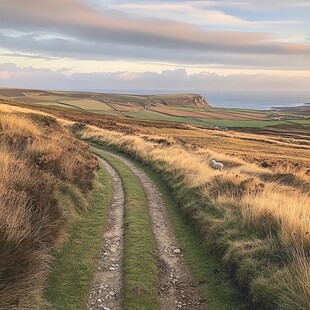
pixel 198 12
pixel 82 36
pixel 179 79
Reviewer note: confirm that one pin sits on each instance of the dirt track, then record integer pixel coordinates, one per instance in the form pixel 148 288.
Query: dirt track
pixel 177 289
pixel 106 292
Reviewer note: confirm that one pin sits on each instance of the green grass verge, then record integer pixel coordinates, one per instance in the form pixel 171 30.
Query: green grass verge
pixel 215 284
pixel 73 266
pixel 140 287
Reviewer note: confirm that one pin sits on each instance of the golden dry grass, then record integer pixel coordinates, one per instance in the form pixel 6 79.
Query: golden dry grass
pixel 88 104
pixel 256 218
pixel 7 108
pixel 37 156
pixel 257 212
pixel 288 205
pixel 278 147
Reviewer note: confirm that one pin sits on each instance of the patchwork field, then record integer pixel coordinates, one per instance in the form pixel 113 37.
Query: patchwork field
pixel 248 134
pixel 212 114
pixel 183 108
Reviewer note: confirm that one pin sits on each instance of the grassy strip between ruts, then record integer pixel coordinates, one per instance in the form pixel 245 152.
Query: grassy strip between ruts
pixel 140 288
pixel 73 267
pixel 215 285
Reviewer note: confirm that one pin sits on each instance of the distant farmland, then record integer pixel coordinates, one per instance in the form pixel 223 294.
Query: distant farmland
pixel 183 108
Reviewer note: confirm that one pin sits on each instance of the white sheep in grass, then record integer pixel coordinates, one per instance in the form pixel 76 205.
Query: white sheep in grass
pixel 216 165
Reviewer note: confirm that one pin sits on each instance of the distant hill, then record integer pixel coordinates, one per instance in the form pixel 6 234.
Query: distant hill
pixel 299 110
pixel 191 109
pixel 118 101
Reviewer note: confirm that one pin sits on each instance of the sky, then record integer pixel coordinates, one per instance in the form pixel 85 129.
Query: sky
pixel 155 45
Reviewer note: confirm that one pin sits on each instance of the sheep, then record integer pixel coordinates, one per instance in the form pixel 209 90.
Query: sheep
pixel 217 165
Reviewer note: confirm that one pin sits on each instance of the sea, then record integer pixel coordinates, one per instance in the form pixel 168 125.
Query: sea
pixel 260 100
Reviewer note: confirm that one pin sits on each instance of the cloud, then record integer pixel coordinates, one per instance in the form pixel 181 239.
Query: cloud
pixel 61 48
pixel 30 56
pixel 72 28
pixel 250 4
pixel 196 12
pixel 266 4
pixel 179 80
pixel 75 19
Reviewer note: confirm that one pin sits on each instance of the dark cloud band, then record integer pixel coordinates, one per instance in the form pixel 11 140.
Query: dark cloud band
pixel 71 28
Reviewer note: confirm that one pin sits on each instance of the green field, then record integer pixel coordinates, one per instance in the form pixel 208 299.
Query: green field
pixel 155 116
pixel 88 104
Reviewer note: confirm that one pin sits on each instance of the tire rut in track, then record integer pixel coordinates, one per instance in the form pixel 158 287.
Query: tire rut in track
pixel 177 287
pixel 106 291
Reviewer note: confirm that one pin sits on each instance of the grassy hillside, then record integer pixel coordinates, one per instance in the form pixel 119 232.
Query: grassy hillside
pixel 254 218
pixel 282 147
pixel 41 163
pixel 102 103
pixel 302 109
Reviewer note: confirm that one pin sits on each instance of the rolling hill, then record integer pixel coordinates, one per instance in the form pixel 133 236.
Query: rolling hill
pixel 100 102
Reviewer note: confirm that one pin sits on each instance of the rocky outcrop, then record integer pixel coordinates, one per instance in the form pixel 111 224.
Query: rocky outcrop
pixel 201 101
pixel 185 100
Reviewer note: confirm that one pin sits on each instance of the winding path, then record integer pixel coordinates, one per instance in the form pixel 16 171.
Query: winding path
pixel 177 288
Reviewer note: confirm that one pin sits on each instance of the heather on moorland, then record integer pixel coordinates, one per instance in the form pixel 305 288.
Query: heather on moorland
pixel 41 163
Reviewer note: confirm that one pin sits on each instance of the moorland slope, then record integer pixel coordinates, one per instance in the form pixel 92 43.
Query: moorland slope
pixel 254 218
pixel 41 166
pixel 254 214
